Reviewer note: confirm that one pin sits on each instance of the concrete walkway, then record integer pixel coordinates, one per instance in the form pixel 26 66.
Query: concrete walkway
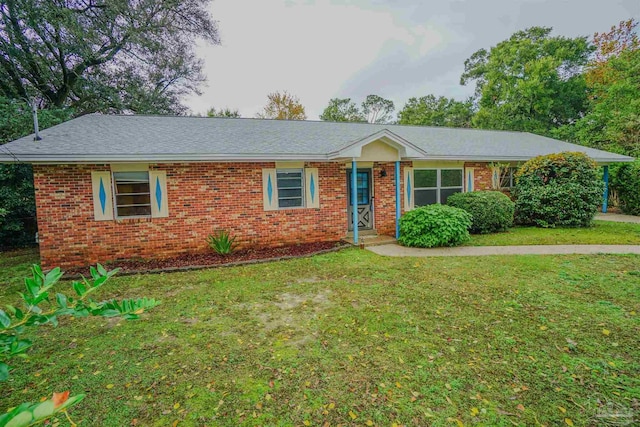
pixel 398 251
pixel 617 218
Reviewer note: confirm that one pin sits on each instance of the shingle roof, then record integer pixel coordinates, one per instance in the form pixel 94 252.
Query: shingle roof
pixel 98 138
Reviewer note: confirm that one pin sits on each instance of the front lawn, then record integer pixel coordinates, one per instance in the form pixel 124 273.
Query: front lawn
pixel 602 233
pixel 353 339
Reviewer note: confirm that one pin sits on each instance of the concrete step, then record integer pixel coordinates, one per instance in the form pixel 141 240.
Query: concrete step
pixel 371 239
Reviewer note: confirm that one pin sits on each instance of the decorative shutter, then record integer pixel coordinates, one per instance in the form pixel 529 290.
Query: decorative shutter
pixel 159 200
pixel 408 189
pixel 312 193
pixel 102 197
pixel 495 178
pixel 269 189
pixel 469 175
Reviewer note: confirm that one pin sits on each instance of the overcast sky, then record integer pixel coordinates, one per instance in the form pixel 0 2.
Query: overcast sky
pixel 322 49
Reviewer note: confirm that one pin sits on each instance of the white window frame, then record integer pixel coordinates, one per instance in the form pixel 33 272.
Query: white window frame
pixel 439 186
pixel 302 188
pixel 115 196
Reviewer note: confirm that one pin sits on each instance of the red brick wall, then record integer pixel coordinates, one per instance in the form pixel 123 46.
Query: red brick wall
pixel 385 196
pixel 203 197
pixel 481 176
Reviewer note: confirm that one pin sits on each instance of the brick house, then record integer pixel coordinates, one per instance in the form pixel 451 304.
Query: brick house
pixel 110 187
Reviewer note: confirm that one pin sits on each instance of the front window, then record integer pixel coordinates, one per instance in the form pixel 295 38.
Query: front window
pixel 132 194
pixel 436 185
pixel 507 177
pixel 290 188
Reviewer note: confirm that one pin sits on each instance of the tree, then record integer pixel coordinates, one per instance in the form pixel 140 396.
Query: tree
pixel 223 112
pixel 97 55
pixel 283 106
pixel 531 82
pixel 431 111
pixel 613 83
pixel 377 109
pixel 17 197
pixel 342 110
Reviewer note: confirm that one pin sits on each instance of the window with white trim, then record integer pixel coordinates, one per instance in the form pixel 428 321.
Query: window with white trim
pixel 507 177
pixel 290 188
pixel 435 185
pixel 132 194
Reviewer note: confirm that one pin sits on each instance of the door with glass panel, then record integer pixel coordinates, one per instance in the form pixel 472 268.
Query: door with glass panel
pixel 435 185
pixel 365 206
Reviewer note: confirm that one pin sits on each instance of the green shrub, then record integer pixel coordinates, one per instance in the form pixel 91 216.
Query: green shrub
pixel 492 211
pixel 561 189
pixel 626 182
pixel 434 225
pixel 222 242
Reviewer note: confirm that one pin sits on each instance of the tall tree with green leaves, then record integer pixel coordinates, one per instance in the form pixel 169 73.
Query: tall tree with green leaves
pixel 283 106
pixel 431 111
pixel 342 110
pixel 613 80
pixel 531 82
pixel 98 55
pixel 17 198
pixel 378 109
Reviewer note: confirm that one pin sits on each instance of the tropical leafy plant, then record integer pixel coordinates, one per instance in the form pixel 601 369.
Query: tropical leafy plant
pixel 222 243
pixel 40 306
pixel 434 225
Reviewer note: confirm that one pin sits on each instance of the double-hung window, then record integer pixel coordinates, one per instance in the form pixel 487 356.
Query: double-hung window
pixel 290 188
pixel 132 194
pixel 436 185
pixel 507 179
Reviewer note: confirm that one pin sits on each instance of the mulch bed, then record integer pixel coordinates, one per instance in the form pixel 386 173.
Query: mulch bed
pixel 212 259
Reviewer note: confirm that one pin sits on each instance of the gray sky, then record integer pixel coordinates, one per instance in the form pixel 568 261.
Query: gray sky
pixel 322 49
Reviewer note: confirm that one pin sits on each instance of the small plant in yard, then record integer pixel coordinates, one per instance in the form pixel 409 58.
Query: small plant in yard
pixel 434 225
pixel 492 211
pixel 561 189
pixel 41 307
pixel 222 242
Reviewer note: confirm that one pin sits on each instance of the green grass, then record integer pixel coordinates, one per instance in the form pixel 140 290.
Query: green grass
pixel 602 233
pixel 491 340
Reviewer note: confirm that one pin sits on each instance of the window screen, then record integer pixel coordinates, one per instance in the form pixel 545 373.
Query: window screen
pixel 435 185
pixel 132 195
pixel 290 188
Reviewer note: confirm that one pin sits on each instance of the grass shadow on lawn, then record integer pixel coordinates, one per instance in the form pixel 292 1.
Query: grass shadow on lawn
pixel 351 338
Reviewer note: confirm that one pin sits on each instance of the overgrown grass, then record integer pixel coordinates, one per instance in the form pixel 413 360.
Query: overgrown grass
pixel 352 338
pixel 602 233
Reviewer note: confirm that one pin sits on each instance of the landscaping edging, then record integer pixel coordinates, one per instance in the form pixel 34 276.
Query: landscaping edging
pixel 337 248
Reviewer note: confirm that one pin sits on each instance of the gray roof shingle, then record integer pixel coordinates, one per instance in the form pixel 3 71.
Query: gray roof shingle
pixel 103 138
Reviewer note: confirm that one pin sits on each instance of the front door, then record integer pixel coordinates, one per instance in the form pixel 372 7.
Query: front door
pixel 365 205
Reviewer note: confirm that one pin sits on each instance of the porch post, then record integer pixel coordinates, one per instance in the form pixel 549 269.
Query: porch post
pixel 397 199
pixel 354 199
pixel 605 196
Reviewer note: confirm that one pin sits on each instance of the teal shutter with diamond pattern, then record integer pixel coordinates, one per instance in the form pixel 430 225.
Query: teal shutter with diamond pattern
pixel 408 189
pixel 158 187
pixel 269 189
pixel 312 193
pixel 102 195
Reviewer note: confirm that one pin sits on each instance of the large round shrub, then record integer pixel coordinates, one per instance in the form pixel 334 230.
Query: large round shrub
pixel 434 225
pixel 626 182
pixel 561 189
pixel 492 211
